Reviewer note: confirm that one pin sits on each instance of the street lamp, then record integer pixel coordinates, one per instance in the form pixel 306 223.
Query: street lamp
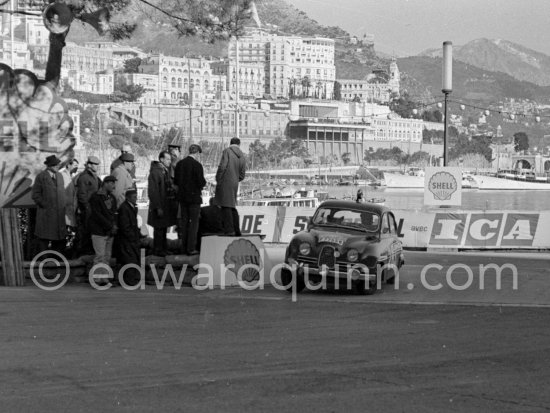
pixel 447 88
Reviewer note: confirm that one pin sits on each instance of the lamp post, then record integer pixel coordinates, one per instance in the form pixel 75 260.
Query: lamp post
pixel 446 89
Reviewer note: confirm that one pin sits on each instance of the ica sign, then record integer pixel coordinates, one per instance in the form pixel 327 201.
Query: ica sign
pixel 443 186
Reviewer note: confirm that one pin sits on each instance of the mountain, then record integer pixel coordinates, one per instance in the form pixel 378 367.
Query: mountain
pixel 502 56
pixel 421 77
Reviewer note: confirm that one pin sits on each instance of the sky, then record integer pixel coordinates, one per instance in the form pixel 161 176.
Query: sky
pixel 408 27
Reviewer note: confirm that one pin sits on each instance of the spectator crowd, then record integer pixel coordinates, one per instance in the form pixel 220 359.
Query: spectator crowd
pixel 102 214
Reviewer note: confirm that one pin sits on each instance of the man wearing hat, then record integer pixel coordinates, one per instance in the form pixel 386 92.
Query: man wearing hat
pixel 118 161
pixel 123 177
pixel 231 171
pixel 87 183
pixel 128 237
pixel 190 181
pixel 48 193
pixel 175 152
pixel 103 224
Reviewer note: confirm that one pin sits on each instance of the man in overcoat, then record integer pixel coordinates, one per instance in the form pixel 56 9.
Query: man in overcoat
pixel 118 161
pixel 124 180
pixel 128 237
pixel 231 171
pixel 87 183
pixel 162 202
pixel 175 154
pixel 190 181
pixel 103 225
pixel 48 193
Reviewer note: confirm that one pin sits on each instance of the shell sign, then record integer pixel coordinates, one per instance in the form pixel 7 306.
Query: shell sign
pixel 443 186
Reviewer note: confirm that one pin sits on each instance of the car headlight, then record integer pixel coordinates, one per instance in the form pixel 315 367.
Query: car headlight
pixel 305 248
pixel 353 255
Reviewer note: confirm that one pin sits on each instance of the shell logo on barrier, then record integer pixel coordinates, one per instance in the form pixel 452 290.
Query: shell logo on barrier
pixel 243 252
pixel 442 185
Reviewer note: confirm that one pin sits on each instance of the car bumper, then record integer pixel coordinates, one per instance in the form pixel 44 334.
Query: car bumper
pixel 353 271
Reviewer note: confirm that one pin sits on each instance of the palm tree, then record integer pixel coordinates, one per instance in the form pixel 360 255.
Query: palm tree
pixel 306 84
pixel 319 89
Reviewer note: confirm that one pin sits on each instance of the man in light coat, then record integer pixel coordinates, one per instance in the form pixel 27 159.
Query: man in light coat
pixel 68 174
pixel 231 171
pixel 118 161
pixel 87 183
pixel 48 194
pixel 124 180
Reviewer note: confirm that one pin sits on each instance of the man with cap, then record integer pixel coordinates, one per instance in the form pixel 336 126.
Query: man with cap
pixel 231 171
pixel 48 193
pixel 128 237
pixel 190 181
pixel 175 152
pixel 103 225
pixel 87 183
pixel 123 177
pixel 162 202
pixel 118 161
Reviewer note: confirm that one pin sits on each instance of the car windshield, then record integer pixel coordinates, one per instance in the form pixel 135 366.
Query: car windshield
pixel 349 218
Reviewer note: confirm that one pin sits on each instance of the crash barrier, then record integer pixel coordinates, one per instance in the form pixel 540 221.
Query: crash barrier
pixel 434 228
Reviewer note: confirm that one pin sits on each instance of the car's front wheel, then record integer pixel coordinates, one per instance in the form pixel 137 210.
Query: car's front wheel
pixel 364 287
pixel 292 283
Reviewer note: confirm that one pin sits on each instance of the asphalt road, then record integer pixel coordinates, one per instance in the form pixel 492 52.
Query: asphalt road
pixel 410 350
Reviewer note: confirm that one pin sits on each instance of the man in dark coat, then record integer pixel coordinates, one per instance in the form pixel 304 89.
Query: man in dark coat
pixel 175 153
pixel 87 183
pixel 231 171
pixel 48 192
pixel 162 202
pixel 103 225
pixel 210 221
pixel 190 181
pixel 128 236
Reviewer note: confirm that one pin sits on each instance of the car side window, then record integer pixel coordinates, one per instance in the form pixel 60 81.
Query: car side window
pixel 385 225
pixel 393 226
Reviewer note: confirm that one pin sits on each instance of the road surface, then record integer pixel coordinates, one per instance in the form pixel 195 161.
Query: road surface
pixel 410 350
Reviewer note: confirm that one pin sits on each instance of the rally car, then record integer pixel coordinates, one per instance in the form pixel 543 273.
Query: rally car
pixel 347 244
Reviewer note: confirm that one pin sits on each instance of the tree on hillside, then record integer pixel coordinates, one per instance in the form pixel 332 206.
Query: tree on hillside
pixel 132 65
pixel 125 92
pixel 346 158
pixel 337 91
pixel 521 141
pixel 472 145
pixel 258 154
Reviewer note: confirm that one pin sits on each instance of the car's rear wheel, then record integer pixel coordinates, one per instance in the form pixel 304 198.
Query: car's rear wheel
pixel 290 283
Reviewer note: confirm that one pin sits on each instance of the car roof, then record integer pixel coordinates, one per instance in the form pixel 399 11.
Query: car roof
pixel 370 207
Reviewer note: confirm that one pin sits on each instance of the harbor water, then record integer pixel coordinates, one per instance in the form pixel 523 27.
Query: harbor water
pixel 524 200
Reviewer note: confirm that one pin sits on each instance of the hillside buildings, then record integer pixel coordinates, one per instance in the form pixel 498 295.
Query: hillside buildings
pixel 377 86
pixel 335 128
pixel 179 80
pixel 279 66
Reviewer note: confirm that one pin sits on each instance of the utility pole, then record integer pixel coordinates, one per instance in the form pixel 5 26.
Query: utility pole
pixel 237 88
pixel 12 36
pixel 447 88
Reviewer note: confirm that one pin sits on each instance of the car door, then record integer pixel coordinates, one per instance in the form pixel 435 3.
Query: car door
pixel 395 246
pixel 385 240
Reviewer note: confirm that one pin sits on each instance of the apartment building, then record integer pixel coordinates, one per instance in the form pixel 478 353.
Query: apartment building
pixel 284 65
pixel 183 79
